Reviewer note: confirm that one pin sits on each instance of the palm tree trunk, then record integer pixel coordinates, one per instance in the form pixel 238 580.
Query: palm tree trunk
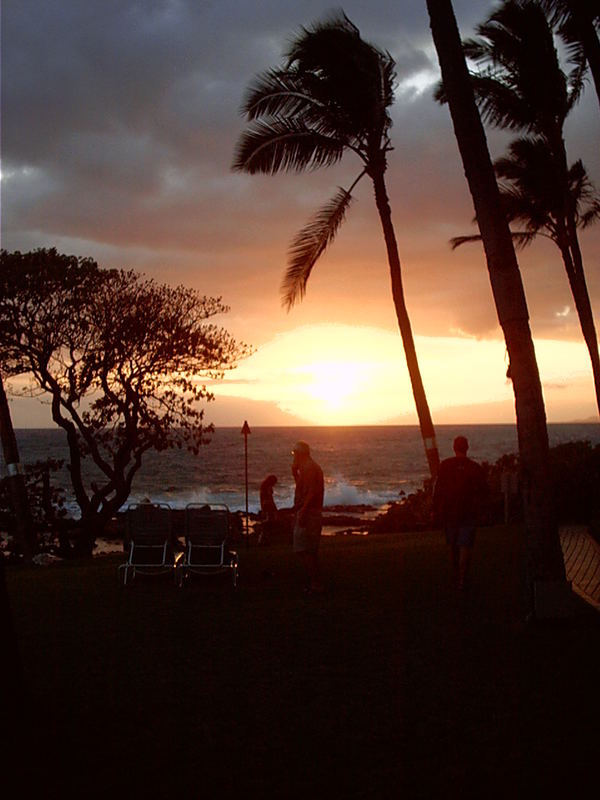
pixel 14 719
pixel 544 555
pixel 572 257
pixel 16 479
pixel 586 316
pixel 577 282
pixel 423 413
pixel 571 252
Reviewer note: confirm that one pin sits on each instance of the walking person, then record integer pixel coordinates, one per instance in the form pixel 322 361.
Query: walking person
pixel 458 497
pixel 308 508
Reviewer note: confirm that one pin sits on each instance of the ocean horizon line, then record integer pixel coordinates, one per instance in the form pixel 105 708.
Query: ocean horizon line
pixel 315 425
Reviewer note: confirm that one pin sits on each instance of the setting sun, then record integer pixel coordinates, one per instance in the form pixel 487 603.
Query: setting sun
pixel 333 384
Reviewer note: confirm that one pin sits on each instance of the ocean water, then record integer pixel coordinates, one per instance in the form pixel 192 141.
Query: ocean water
pixel 372 465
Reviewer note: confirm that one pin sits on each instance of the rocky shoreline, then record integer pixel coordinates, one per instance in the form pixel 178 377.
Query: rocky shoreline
pixel 350 518
pixel 338 520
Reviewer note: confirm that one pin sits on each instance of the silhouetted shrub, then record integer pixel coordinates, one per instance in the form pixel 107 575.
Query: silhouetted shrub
pixel 413 513
pixel 575 469
pixel 46 503
pixel 576 481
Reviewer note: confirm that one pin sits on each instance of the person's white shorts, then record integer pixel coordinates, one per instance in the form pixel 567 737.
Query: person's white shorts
pixel 306 537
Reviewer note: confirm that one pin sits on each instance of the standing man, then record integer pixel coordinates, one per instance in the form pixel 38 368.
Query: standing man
pixel 308 507
pixel 459 494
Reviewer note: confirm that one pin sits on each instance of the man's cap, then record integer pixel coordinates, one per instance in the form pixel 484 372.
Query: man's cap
pixel 301 447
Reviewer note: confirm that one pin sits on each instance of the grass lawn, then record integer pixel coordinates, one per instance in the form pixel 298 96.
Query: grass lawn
pixel 388 686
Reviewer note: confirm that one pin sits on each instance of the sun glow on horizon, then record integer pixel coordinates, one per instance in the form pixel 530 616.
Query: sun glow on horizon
pixel 333 384
pixel 351 375
pixel 345 375
pixel 324 374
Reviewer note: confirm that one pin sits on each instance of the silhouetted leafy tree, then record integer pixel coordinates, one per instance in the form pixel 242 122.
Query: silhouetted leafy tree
pixel 332 96
pixel 122 359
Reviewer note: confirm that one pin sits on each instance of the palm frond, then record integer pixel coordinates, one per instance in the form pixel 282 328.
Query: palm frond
pixel 458 241
pixel 287 94
pixel 531 192
pixel 557 11
pixel 306 46
pixel 352 78
pixel 520 84
pixel 387 67
pixel 584 194
pixel 500 104
pixel 520 238
pixel 283 145
pixel 309 244
pixel 477 50
pixel 591 215
pixel 570 32
pixel 528 210
pixel 514 27
pixel 277 93
pixel 439 93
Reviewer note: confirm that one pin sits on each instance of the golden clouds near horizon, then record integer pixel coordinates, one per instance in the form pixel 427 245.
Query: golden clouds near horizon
pixel 356 375
pixel 345 375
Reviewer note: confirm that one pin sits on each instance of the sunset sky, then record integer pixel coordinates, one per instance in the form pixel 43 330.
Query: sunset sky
pixel 119 123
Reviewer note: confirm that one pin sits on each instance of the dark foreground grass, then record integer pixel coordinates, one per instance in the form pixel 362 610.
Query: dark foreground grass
pixel 388 686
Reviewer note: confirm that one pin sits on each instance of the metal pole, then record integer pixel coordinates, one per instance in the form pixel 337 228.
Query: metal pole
pixel 245 431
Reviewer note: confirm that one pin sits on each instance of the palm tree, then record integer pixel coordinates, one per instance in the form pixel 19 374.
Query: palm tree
pixel 16 479
pixel 531 196
pixel 544 556
pixel 332 95
pixel 522 87
pixel 577 23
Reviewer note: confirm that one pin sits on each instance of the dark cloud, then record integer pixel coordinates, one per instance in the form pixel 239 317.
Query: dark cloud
pixel 119 124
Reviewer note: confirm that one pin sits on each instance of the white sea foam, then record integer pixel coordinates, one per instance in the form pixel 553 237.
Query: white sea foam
pixel 338 492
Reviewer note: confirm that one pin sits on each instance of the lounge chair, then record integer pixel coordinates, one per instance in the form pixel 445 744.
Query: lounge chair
pixel 150 541
pixel 206 551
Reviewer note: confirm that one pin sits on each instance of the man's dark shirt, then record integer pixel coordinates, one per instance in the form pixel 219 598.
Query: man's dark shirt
pixel 310 482
pixel 460 492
